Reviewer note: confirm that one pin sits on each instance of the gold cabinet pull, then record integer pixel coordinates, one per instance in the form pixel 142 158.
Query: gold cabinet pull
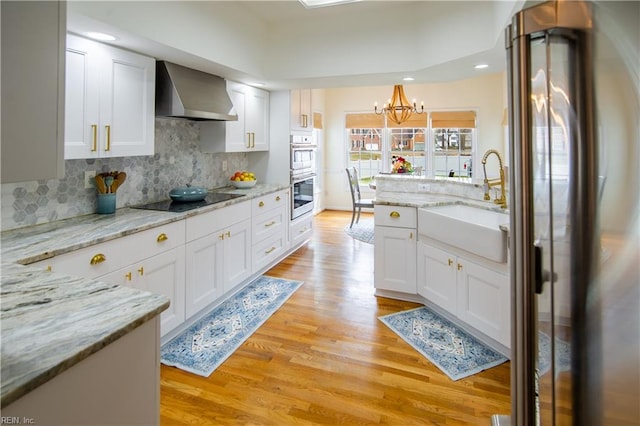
pixel 94 142
pixel 107 128
pixel 270 250
pixel 450 262
pixel 221 237
pixel 277 198
pixel 248 139
pixel 253 140
pixel 49 268
pixel 304 120
pixel 459 266
pixel 411 235
pixel 141 270
pixel 228 234
pixel 162 237
pixel 394 214
pixel 98 258
pixel 128 276
pixel 273 222
pixel 261 204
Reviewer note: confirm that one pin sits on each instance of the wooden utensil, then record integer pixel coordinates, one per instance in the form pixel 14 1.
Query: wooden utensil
pixel 119 180
pixel 100 184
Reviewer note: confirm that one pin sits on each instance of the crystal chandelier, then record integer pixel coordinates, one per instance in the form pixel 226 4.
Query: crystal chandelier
pixel 398 108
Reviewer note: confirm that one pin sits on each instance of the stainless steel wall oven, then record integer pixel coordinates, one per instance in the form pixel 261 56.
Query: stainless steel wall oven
pixel 301 194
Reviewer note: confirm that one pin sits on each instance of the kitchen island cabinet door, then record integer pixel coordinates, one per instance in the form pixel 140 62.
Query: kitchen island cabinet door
pixel 204 272
pixel 437 276
pixel 484 300
pixel 395 259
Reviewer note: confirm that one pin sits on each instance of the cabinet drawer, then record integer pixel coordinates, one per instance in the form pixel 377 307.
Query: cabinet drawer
pixel 207 223
pixel 269 202
pixel 266 251
pixel 300 230
pixel 398 216
pixel 151 242
pixel 88 262
pixel 269 223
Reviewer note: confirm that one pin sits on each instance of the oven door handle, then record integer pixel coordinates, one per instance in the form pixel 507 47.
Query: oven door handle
pixel 302 177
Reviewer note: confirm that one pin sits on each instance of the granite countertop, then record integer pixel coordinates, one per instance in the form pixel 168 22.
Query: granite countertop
pixel 50 321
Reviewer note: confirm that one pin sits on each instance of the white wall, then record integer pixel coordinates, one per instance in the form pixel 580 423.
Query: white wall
pixel 484 94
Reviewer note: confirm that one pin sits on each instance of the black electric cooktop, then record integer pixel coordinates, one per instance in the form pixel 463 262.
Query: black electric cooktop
pixel 181 206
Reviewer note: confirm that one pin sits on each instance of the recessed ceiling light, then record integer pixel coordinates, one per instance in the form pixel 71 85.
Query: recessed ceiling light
pixel 101 36
pixel 408 79
pixel 310 4
pixel 481 66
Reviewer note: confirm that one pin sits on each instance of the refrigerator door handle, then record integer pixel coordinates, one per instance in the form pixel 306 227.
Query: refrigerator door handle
pixel 541 275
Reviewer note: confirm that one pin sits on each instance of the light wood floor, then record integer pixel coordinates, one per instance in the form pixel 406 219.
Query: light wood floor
pixel 325 358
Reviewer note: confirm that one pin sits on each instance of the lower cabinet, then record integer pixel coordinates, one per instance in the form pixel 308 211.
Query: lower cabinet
pixel 163 274
pixel 475 291
pixel 395 248
pixel 300 230
pixel 218 254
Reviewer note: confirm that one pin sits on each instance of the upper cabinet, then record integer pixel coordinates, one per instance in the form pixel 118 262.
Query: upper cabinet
pixel 33 40
pixel 249 133
pixel 109 101
pixel 301 118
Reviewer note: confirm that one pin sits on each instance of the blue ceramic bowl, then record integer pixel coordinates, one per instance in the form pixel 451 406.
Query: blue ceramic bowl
pixel 188 194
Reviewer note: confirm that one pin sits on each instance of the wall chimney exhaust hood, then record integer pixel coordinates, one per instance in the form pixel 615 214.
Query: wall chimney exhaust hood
pixel 195 95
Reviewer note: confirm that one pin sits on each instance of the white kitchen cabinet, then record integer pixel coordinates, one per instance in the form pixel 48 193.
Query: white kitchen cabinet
pixel 218 254
pixel 33 43
pixel 473 290
pixel 301 113
pixel 151 260
pixel 109 101
pixel 269 228
pixel 300 230
pixel 249 133
pixel 395 248
pixel 163 274
pixel 436 276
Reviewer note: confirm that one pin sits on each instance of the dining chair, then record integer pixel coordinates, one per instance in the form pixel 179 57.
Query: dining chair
pixel 357 201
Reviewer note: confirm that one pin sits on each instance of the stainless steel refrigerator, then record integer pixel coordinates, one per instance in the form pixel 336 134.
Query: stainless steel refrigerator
pixel 573 71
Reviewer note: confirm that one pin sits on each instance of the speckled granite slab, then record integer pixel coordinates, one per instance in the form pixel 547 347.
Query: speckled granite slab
pixel 50 322
pixel 34 243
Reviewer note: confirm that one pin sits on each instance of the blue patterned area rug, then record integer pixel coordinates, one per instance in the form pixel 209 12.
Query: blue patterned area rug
pixel 208 343
pixel 451 349
pixel 363 230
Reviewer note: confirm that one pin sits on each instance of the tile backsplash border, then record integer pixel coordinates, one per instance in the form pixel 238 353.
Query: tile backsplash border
pixel 177 161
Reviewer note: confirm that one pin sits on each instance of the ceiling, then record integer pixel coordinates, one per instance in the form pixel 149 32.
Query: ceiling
pixel 283 45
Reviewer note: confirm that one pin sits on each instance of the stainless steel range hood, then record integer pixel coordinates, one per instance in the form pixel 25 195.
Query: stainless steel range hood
pixel 187 93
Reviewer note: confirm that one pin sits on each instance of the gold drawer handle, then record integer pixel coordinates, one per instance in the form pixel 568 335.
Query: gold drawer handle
pixel 450 262
pixel 128 276
pixel 162 237
pixel 141 270
pixel 278 198
pixel 459 267
pixel 273 222
pixel 98 258
pixel 270 250
pixel 394 214
pixel 49 268
pixel 261 204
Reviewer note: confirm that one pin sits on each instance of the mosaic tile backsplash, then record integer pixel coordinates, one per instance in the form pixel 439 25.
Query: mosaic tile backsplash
pixel 177 161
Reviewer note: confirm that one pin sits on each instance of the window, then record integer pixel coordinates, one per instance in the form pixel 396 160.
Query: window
pixel 453 143
pixel 444 145
pixel 365 140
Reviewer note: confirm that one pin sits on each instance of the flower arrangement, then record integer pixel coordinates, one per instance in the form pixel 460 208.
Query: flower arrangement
pixel 400 165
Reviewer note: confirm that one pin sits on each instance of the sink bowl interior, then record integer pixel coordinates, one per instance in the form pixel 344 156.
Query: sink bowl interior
pixel 469 228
